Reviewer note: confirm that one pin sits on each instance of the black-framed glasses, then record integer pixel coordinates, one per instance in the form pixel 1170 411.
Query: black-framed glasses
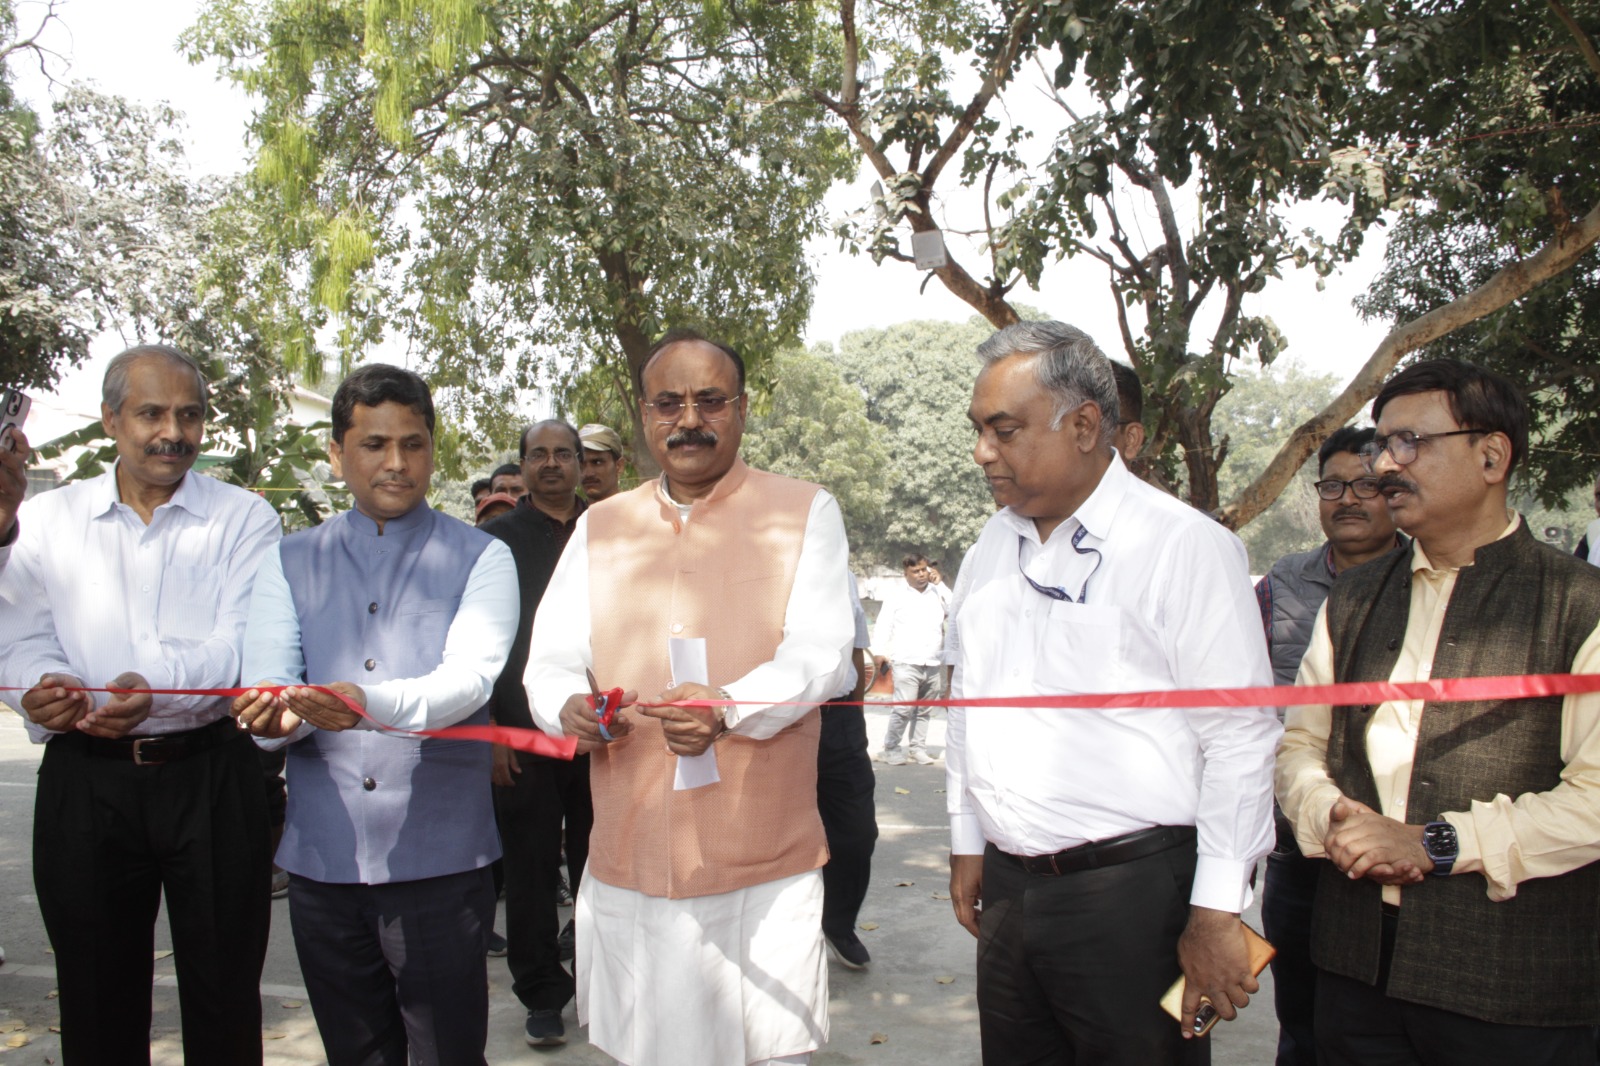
pixel 1332 488
pixel 1053 591
pixel 711 408
pixel 1402 446
pixel 540 456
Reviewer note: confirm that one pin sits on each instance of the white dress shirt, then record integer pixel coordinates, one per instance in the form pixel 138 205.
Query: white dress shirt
pixel 1167 604
pixel 475 648
pixel 911 625
pixel 91 591
pixel 811 662
pixel 858 614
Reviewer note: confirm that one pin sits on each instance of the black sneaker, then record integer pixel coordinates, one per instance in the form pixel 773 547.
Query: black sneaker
pixel 544 1029
pixel 497 945
pixel 567 941
pixel 563 892
pixel 849 950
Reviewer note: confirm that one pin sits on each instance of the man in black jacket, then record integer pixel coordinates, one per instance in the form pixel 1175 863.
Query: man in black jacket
pixel 534 794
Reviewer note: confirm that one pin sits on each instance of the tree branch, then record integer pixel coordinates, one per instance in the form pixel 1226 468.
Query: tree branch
pixel 1122 322
pixel 1585 44
pixel 1509 283
pixel 992 78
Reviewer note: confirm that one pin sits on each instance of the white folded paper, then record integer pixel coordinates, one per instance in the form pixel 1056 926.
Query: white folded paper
pixel 687 655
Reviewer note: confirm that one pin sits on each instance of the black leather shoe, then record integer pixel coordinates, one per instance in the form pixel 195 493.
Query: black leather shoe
pixel 567 941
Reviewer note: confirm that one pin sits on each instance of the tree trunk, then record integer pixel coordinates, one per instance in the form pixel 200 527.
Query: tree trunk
pixel 635 346
pixel 1508 283
pixel 1201 459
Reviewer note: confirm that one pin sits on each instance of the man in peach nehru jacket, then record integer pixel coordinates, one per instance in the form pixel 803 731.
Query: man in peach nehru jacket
pixel 699 923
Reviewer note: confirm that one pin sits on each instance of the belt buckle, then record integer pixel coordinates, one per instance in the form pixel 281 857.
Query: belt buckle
pixel 138 752
pixel 1055 868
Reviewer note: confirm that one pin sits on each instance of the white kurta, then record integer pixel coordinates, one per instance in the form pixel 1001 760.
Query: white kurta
pixel 739 977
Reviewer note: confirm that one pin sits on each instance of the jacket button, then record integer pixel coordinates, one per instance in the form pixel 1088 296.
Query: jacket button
pixel 372 608
pixel 1394 645
pixel 368 783
pixel 371 664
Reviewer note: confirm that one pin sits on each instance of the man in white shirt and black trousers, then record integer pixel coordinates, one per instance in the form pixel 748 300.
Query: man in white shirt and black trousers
pixel 140 579
pixel 1098 854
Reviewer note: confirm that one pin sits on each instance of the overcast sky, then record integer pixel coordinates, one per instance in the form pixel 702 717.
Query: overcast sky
pixel 129 49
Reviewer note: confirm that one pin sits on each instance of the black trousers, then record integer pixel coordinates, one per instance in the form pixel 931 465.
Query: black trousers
pixel 1286 917
pixel 846 801
pixel 1359 1025
pixel 396 972
pixel 109 839
pixel 1071 969
pixel 547 792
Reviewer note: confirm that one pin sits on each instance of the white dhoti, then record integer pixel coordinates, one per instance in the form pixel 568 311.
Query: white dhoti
pixel 722 980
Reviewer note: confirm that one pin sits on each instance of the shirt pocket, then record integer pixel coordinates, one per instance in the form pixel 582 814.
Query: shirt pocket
pixel 190 596
pixel 1080 649
pixel 427 623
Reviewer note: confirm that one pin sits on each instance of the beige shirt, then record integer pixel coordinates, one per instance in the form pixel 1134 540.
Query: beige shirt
pixel 1507 839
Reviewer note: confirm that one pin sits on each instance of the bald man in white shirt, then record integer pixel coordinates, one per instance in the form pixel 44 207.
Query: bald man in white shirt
pixel 1096 855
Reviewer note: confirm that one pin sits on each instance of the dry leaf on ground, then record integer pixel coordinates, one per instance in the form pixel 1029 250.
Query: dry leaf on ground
pixel 879 1038
pixel 941 895
pixel 268 1034
pixel 867 926
pixel 904 884
pixel 944 980
pixel 898 791
pixel 162 955
pixel 291 1004
pixel 18 1040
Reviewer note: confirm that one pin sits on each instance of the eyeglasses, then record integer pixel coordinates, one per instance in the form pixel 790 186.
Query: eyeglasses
pixel 711 408
pixel 1055 592
pixel 1332 488
pixel 1402 446
pixel 540 456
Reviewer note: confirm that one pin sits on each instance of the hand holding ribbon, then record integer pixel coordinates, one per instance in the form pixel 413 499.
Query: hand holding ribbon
pixel 57 703
pixel 691 717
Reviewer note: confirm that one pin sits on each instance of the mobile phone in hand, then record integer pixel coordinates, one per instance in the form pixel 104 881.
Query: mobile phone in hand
pixel 14 405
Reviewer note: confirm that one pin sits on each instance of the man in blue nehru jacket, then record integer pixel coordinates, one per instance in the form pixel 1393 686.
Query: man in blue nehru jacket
pixel 408 613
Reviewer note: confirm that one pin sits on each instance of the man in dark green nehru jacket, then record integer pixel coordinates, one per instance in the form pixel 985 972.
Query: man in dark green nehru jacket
pixel 1456 922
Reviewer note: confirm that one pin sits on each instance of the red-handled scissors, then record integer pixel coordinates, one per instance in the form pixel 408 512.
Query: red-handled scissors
pixel 604 704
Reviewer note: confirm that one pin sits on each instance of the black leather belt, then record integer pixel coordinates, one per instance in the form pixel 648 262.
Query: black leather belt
pixel 162 748
pixel 1102 853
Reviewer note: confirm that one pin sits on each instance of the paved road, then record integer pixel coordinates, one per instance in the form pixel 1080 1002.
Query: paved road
pixel 918 992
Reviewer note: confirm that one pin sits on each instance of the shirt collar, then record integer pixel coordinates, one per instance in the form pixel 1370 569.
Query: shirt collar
pixel 1419 558
pixel 1095 514
pixel 730 483
pixel 189 496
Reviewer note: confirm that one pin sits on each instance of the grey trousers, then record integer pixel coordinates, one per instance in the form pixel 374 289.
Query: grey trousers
pixel 912 682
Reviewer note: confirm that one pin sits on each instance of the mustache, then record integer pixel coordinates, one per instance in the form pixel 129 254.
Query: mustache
pixel 1394 481
pixel 395 479
pixel 1349 512
pixel 171 448
pixel 691 436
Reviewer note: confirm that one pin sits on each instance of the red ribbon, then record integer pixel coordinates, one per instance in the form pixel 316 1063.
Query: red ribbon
pixel 1440 690
pixel 533 741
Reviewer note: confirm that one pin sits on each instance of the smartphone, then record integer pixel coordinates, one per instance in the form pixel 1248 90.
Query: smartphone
pixel 1261 953
pixel 14 406
pixel 1205 1018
